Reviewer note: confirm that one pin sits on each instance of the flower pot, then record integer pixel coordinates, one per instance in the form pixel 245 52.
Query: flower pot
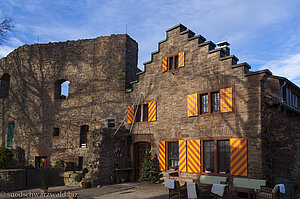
pixel 44 191
pixel 85 185
pixel 72 197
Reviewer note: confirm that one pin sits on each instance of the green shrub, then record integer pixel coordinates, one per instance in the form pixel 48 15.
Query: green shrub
pixel 78 178
pixel 85 170
pixel 44 184
pixel 6 157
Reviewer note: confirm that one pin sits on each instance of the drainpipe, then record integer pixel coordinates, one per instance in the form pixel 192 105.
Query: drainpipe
pixel 280 92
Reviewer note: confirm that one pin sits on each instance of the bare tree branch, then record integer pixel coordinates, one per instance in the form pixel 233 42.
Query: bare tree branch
pixel 6 25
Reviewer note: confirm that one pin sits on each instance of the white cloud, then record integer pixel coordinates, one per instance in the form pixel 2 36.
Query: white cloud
pixel 288 67
pixel 5 50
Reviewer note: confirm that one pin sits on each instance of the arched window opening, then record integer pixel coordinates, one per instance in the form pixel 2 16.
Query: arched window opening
pixel 61 89
pixel 84 129
pixel 4 85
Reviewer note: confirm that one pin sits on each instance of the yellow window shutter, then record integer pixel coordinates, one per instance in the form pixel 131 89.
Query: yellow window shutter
pixel 182 155
pixel 180 59
pixel 238 156
pixel 162 155
pixel 194 163
pixel 165 64
pixel 226 100
pixel 192 105
pixel 130 116
pixel 152 111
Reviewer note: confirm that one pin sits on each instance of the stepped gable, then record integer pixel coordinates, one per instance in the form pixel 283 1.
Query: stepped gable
pixel 224 52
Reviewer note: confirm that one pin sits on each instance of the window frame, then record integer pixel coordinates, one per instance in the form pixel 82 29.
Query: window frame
pixel 56 132
pixel 167 155
pixel 209 93
pixel 142 112
pixel 173 56
pixel 83 136
pixel 216 169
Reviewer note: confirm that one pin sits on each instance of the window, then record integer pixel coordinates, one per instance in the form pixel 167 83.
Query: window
pixel 4 85
pixel 173 155
pixel 10 134
pixel 208 154
pixel 290 98
pixel 216 156
pixel 173 62
pixel 209 102
pixel 223 156
pixel 55 131
pixel 84 129
pixel 61 89
pixel 204 103
pixel 80 163
pixel 111 123
pixel 142 113
pixel 215 102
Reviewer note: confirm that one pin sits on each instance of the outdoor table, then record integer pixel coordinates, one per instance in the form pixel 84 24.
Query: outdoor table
pixel 249 191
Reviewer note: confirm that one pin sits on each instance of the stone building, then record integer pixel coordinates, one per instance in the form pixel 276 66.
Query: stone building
pixel 212 115
pixel 194 106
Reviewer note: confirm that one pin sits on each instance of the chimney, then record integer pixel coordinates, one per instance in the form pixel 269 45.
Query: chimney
pixel 224 45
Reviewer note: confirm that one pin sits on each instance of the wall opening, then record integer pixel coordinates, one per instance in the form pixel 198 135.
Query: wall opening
pixel 55 131
pixel 61 90
pixel 84 129
pixel 4 85
pixel 10 134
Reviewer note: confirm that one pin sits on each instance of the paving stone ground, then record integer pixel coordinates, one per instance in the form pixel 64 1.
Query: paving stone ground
pixel 130 190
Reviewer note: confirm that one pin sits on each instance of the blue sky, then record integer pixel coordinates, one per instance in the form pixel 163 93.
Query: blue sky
pixel 266 34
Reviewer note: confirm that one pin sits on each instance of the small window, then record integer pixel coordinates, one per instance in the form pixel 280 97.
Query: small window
pixel 84 129
pixel 4 85
pixel 173 155
pixel 61 89
pixel 215 102
pixel 55 131
pixel 145 112
pixel 141 113
pixel 173 62
pixel 204 103
pixel 111 123
pixel 209 156
pixel 80 163
pixel 10 134
pixel 223 156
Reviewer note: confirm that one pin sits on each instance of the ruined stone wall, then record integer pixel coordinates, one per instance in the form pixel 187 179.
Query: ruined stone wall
pixel 95 69
pixel 205 69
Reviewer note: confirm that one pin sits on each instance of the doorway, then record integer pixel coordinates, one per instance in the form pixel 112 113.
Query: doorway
pixel 139 150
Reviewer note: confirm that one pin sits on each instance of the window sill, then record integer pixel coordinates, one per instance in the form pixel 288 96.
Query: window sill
pixel 215 174
pixel 213 114
pixel 141 122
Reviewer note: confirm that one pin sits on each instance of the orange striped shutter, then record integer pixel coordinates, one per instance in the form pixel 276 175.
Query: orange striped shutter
pixel 182 155
pixel 238 156
pixel 194 156
pixel 162 155
pixel 192 105
pixel 130 115
pixel 226 100
pixel 151 111
pixel 165 64
pixel 180 59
